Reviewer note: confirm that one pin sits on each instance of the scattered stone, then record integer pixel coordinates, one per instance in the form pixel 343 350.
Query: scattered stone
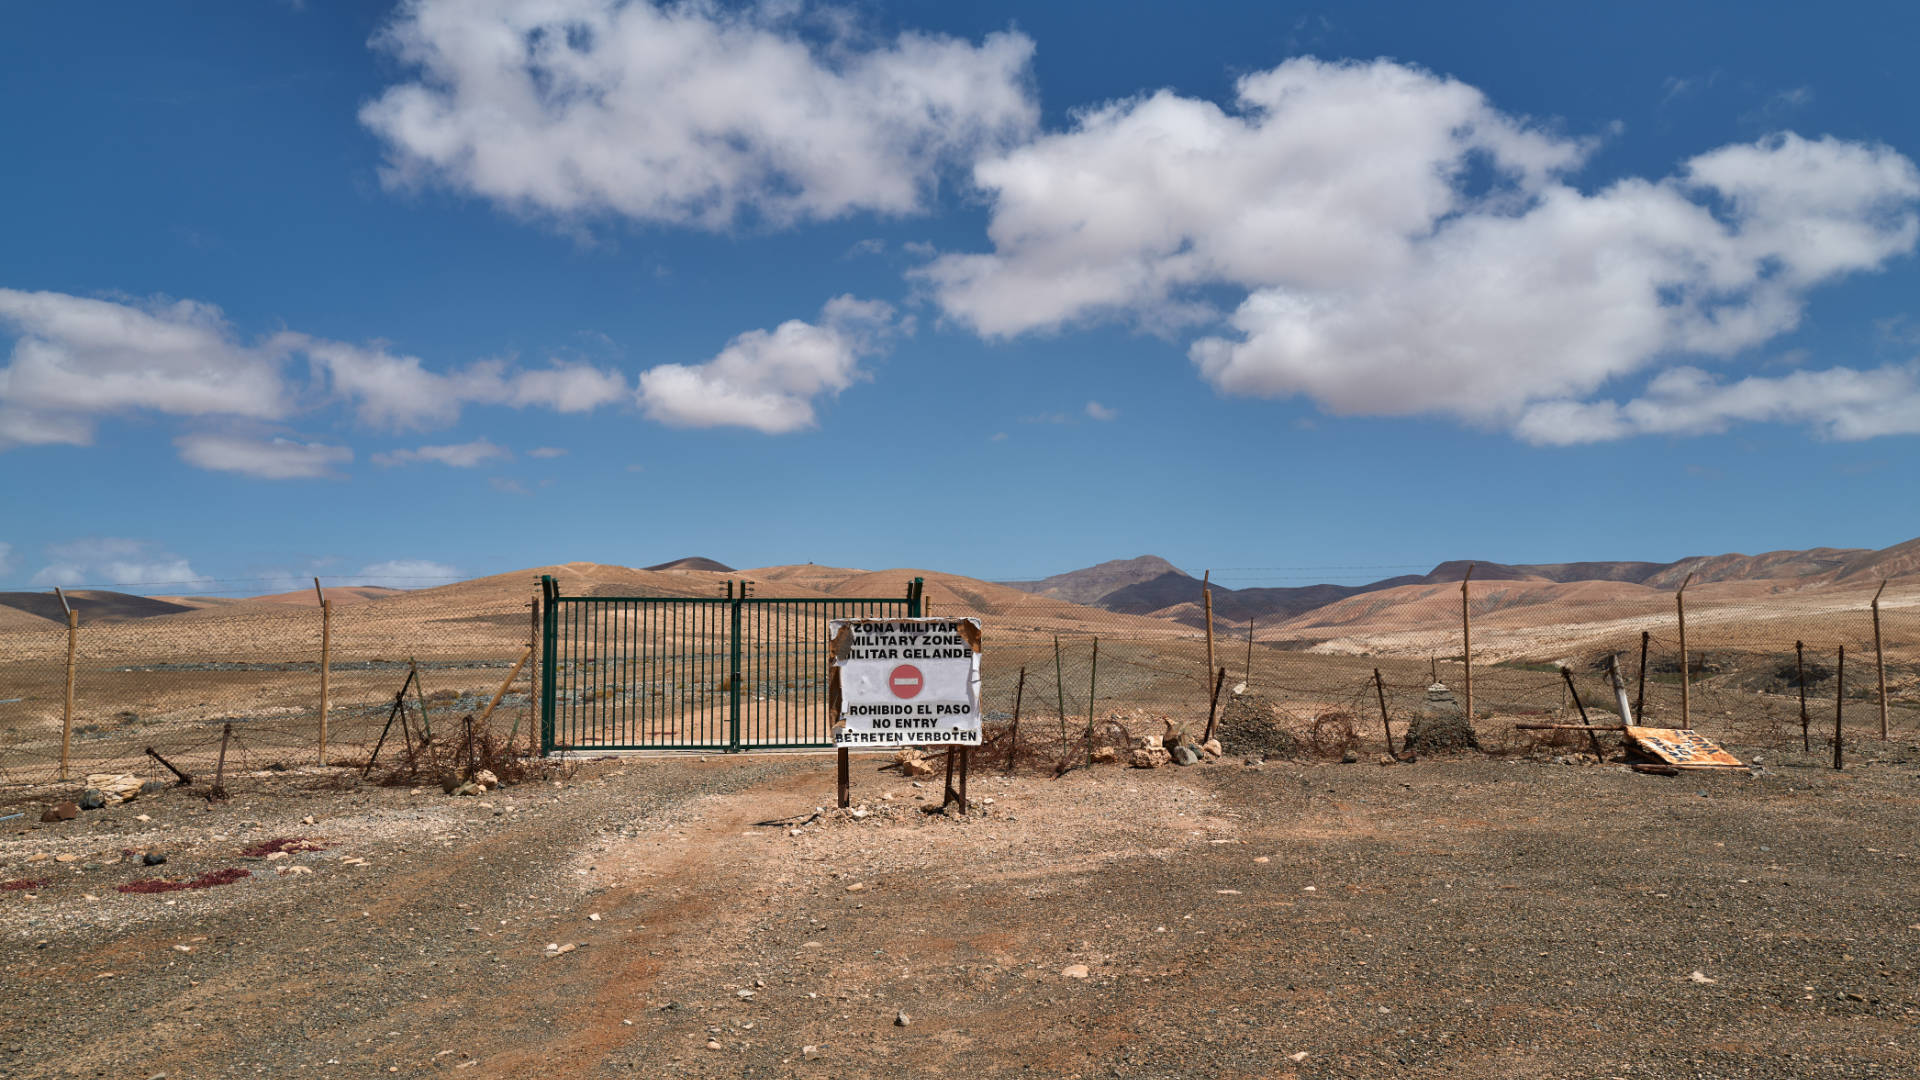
pixel 1105 755
pixel 1151 742
pixel 66 858
pixel 901 1019
pixel 555 949
pixel 713 1044
pixel 486 777
pixel 809 1052
pixel 1211 748
pixel 1350 758
pixel 1297 1057
pixel 912 762
pixel 1261 859
pixel 1185 754
pixel 154 858
pixel 92 799
pixel 1175 735
pixel 65 811
pixel 743 995
pixel 153 787
pixel 1702 978
pixel 1150 757
pixel 1074 971
pixel 858 886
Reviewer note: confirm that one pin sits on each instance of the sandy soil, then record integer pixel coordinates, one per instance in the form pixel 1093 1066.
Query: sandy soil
pixel 666 917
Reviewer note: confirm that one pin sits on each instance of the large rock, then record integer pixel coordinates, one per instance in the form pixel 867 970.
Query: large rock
pixel 1150 757
pixel 1104 755
pixel 1184 754
pixel 912 762
pixel 92 799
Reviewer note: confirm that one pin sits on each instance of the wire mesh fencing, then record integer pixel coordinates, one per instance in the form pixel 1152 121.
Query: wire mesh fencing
pixel 229 689
pixel 263 686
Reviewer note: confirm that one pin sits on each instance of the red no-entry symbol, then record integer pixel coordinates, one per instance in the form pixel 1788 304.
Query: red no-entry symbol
pixel 905 681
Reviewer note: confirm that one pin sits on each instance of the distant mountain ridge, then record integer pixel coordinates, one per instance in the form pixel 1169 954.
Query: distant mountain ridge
pixel 1149 585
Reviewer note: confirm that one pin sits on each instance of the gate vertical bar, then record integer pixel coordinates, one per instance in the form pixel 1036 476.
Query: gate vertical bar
pixel 733 680
pixel 549 631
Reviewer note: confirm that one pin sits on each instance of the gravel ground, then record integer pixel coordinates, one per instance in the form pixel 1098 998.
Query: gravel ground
pixel 1462 917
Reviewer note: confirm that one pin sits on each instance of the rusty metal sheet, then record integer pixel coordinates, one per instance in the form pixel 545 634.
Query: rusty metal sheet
pixel 1683 748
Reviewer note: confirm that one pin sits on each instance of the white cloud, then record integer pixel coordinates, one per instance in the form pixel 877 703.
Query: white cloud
pixel 402 574
pixel 768 379
pixel 116 562
pixel 1838 403
pixel 75 358
pixel 1400 246
pixel 687 113
pixel 1101 412
pixel 507 485
pixel 458 455
pixel 269 459
pixel 547 452
pixel 399 392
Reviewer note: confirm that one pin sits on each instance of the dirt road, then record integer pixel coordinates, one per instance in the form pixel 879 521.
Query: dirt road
pixel 1470 918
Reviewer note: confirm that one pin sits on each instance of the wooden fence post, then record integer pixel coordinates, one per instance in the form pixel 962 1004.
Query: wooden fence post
pixel 1093 688
pixel 326 664
pixel 1686 665
pixel 1880 658
pixel 1466 639
pixel 1379 690
pixel 1206 599
pixel 66 721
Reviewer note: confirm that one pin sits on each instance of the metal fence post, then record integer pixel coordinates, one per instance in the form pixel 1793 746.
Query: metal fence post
pixel 733 676
pixel 549 640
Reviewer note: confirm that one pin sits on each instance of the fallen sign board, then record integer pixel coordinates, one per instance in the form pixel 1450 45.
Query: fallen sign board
pixel 1683 748
pixel 902 682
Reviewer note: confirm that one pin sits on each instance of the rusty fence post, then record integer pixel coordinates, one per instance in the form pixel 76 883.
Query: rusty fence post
pixel 1880 658
pixel 1839 699
pixel 1800 676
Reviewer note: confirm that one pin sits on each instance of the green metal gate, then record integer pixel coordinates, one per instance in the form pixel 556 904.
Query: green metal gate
pixel 689 673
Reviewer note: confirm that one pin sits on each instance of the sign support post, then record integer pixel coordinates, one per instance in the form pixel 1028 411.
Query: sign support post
pixel 903 683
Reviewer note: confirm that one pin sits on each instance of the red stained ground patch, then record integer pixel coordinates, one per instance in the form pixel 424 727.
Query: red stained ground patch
pixel 204 881
pixel 23 885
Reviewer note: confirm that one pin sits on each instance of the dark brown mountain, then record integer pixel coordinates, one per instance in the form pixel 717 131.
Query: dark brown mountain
pixel 1091 585
pixel 693 562
pixel 93 605
pixel 1149 584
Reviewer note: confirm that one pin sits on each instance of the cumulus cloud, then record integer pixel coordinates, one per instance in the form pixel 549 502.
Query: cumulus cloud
pixel 547 452
pixel 403 574
pixel 268 459
pixel 1101 412
pixel 767 380
pixel 458 455
pixel 399 392
pixel 1838 403
pixel 688 113
pixel 117 562
pixel 75 358
pixel 1400 246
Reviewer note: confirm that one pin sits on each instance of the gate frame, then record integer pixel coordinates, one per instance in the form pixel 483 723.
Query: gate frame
pixel 551 599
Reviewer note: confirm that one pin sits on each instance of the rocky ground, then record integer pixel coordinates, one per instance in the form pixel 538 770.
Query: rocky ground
pixel 1457 917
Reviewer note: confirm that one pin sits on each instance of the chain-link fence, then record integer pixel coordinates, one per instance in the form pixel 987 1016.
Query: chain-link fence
pixel 246 677
pixel 234 688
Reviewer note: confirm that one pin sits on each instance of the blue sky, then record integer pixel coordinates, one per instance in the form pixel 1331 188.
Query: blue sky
pixel 398 294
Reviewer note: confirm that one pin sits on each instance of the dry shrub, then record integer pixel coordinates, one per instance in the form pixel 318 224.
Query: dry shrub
pixel 453 760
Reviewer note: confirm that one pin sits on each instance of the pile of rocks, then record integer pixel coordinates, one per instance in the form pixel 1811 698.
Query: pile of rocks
pixel 1249 724
pixel 1441 727
pixel 1175 746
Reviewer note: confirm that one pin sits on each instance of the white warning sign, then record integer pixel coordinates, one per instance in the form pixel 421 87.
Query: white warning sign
pixel 906 681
